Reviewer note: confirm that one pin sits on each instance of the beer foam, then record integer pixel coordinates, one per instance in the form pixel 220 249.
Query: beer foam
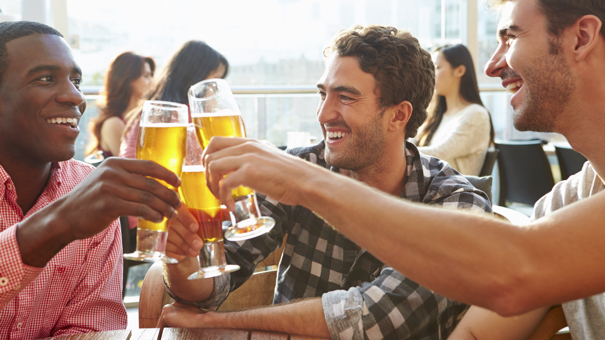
pixel 193 168
pixel 163 125
pixel 221 113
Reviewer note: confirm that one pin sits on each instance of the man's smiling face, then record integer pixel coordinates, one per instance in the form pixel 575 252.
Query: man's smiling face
pixel 40 100
pixel 349 113
pixel 532 67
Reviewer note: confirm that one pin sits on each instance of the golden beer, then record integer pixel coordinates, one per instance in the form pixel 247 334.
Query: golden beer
pixel 201 203
pixel 223 124
pixel 165 145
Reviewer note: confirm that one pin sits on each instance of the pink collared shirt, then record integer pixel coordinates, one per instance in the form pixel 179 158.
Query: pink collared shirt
pixel 79 290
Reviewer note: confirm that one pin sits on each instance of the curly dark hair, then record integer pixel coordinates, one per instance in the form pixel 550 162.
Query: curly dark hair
pixel 403 70
pixel 11 30
pixel 561 14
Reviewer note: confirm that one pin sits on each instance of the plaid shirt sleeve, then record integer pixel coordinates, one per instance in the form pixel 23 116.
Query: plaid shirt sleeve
pixel 392 306
pixel 247 254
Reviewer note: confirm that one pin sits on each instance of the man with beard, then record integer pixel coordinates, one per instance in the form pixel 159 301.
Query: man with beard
pixel 61 262
pixel 545 85
pixel 374 92
pixel 550 55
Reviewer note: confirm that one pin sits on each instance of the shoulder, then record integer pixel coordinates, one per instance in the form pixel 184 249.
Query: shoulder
pixel 575 188
pixel 313 154
pixel 474 111
pixel 113 123
pixel 446 186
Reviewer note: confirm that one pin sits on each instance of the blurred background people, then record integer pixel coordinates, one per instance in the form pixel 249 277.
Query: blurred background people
pixel 458 128
pixel 192 63
pixel 128 79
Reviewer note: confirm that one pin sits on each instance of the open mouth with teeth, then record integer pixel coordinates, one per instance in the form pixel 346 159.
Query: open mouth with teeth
pixel 71 122
pixel 337 135
pixel 514 86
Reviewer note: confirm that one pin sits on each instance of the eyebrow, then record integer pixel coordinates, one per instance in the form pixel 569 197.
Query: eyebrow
pixel 53 68
pixel 347 89
pixel 503 30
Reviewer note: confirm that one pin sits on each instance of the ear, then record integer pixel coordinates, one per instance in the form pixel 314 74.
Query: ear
pixel 460 71
pixel 586 33
pixel 401 114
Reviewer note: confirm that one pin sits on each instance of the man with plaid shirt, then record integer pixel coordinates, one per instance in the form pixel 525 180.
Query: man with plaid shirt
pixel 374 93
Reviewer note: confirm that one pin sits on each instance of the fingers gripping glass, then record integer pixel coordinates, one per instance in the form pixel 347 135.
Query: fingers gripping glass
pixel 215 113
pixel 206 210
pixel 161 139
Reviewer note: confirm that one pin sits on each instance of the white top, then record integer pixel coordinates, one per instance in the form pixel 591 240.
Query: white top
pixel 585 317
pixel 462 140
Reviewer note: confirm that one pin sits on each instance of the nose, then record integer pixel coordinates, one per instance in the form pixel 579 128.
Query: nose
pixel 326 110
pixel 497 63
pixel 71 95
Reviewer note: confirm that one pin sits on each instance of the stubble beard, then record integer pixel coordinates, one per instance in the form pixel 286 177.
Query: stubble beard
pixel 364 149
pixel 549 85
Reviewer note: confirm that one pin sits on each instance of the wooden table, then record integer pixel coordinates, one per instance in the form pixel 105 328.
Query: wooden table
pixel 182 334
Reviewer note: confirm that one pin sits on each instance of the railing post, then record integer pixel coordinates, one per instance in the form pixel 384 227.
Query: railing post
pixel 261 116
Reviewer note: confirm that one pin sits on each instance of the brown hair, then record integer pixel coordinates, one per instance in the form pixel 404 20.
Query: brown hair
pixel 469 90
pixel 402 69
pixel 193 62
pixel 123 70
pixel 561 14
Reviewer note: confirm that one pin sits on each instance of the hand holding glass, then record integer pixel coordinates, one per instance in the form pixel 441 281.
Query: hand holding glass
pixel 206 210
pixel 162 134
pixel 215 113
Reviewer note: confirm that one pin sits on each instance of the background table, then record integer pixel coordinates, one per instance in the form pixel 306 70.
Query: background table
pixel 182 334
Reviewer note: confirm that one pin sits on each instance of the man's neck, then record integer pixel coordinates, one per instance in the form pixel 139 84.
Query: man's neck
pixel 584 123
pixel 29 181
pixel 388 174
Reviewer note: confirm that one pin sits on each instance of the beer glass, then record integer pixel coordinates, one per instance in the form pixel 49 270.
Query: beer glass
pixel 215 113
pixel 162 134
pixel 206 210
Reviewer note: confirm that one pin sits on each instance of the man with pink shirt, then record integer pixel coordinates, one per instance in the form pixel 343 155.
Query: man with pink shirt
pixel 61 263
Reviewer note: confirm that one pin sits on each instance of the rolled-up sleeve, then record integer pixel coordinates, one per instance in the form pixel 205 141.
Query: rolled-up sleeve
pixel 390 307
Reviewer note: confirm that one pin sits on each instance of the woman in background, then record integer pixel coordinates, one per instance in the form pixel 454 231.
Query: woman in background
pixel 128 79
pixel 193 62
pixel 458 128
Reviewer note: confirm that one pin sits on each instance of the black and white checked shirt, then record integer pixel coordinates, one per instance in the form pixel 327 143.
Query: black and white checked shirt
pixel 361 296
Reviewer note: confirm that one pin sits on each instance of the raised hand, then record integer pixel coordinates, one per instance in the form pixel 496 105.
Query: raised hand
pixel 183 239
pixel 118 187
pixel 252 164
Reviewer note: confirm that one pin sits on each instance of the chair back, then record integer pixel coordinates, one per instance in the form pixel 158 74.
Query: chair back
pixel 570 161
pixel 488 164
pixel 525 173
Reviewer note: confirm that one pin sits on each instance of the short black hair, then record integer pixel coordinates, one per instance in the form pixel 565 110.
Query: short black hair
pixel 12 30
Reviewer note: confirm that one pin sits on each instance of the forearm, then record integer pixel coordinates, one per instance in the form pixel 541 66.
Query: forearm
pixel 176 277
pixel 302 318
pixel 482 324
pixel 469 258
pixel 42 236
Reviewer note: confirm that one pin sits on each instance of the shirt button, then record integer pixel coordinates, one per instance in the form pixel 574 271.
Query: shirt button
pixel 19 325
pixel 3 281
pixel 9 186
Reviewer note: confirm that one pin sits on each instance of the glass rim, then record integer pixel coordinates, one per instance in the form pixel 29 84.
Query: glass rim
pixel 165 104
pixel 222 84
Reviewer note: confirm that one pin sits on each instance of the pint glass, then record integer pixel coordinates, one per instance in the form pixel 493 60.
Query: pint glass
pixel 162 134
pixel 206 210
pixel 215 113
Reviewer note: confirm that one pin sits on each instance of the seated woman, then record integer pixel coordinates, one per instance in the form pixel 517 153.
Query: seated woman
pixel 128 79
pixel 458 128
pixel 193 62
